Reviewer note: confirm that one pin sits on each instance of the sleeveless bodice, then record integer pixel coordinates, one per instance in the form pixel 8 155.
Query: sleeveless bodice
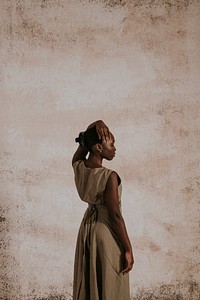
pixel 91 185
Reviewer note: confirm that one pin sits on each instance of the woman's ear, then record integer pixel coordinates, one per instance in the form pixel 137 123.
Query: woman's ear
pixel 98 147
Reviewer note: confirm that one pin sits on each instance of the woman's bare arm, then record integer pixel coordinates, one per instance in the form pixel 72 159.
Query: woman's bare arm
pixel 103 133
pixel 116 219
pixel 101 128
pixel 80 154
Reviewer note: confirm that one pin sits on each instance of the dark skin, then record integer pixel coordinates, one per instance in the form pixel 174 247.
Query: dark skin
pixel 106 150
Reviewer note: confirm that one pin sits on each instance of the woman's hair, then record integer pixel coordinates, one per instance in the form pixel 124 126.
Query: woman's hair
pixel 88 138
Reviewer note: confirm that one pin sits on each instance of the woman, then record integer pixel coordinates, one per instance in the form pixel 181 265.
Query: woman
pixel 103 255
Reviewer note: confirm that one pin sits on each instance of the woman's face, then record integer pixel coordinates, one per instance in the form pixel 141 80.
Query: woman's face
pixel 108 148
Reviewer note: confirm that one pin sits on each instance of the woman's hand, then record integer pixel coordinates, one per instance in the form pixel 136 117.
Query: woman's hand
pixel 102 129
pixel 129 260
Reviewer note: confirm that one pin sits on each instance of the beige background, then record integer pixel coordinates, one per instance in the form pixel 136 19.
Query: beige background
pixel 134 64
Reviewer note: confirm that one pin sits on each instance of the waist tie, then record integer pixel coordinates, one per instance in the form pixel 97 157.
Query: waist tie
pixel 91 214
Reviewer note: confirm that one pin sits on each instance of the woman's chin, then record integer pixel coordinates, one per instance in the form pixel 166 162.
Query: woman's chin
pixel 111 158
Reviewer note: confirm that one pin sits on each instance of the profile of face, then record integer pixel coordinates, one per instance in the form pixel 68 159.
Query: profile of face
pixel 107 148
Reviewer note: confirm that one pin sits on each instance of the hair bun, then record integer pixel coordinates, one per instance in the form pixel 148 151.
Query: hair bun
pixel 81 139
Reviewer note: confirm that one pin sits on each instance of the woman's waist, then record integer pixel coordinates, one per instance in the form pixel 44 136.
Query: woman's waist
pixel 95 212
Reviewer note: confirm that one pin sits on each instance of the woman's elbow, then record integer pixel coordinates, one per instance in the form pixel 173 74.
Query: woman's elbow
pixel 115 217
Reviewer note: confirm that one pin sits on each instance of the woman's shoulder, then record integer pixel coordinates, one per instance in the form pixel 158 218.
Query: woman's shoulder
pixel 112 174
pixel 77 162
pixel 78 167
pixel 80 164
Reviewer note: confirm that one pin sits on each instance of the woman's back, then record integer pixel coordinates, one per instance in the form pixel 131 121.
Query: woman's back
pixel 91 182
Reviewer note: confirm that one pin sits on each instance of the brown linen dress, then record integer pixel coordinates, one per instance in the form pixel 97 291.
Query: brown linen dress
pixel 99 256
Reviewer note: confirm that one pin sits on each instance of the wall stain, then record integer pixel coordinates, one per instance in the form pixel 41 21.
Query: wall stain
pixel 164 292
pixel 54 296
pixel 2 219
pixel 6 258
pixel 177 4
pixel 191 189
pixel 153 247
pixel 108 3
pixel 170 228
pixel 114 3
pixel 169 292
pixel 36 32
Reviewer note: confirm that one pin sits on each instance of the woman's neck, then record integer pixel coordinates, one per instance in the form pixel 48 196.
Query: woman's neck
pixel 94 161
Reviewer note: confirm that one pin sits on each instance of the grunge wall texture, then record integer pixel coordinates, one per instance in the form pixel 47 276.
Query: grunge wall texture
pixel 136 65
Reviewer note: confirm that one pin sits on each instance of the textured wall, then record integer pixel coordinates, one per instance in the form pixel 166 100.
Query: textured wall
pixel 134 64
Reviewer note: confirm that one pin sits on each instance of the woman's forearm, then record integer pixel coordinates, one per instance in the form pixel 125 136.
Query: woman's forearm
pixel 80 154
pixel 118 225
pixel 95 123
pixel 101 129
